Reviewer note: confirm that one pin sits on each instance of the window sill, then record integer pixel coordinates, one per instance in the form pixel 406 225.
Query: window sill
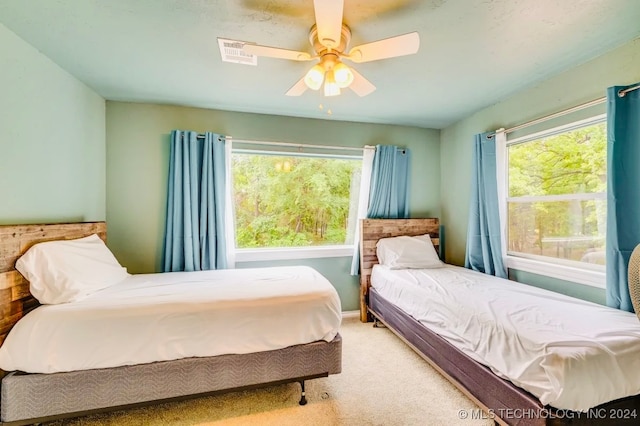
pixel 567 273
pixel 292 253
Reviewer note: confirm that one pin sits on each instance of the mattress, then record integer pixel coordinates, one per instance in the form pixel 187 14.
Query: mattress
pixel 571 354
pixel 169 316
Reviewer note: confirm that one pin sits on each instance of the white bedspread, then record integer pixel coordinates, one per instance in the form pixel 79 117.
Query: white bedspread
pixel 569 353
pixel 159 317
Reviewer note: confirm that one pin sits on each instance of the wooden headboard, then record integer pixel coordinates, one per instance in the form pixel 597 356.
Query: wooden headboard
pixel 15 299
pixel 371 230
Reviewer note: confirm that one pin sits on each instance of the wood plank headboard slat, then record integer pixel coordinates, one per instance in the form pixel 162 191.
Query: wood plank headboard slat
pixel 372 230
pixel 15 240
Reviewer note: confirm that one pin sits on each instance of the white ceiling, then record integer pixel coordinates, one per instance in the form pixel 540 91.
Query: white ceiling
pixel 473 53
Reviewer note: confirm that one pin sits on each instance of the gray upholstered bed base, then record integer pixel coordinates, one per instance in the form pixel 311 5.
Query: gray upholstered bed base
pixel 29 398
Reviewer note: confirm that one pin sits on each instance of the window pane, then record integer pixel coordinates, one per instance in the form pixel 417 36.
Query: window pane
pixel 557 196
pixel 570 230
pixel 283 201
pixel 572 162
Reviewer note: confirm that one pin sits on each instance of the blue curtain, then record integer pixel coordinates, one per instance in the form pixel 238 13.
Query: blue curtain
pixel 194 237
pixel 484 246
pixel 623 191
pixel 389 196
pixel 389 190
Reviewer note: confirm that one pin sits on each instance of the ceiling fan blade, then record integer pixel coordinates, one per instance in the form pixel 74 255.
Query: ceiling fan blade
pixel 297 89
pixel 406 44
pixel 275 52
pixel 329 21
pixel 361 85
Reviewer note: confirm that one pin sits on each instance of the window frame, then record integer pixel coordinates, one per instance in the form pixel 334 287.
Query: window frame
pixel 292 253
pixel 567 270
pixel 289 253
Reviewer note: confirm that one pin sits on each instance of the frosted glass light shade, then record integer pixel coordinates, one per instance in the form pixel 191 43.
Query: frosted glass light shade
pixel 313 78
pixel 342 75
pixel 331 88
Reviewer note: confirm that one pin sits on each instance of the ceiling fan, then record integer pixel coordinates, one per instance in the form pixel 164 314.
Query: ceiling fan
pixel 330 38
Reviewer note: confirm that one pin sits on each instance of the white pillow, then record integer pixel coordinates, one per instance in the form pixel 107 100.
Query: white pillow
pixel 408 253
pixel 68 271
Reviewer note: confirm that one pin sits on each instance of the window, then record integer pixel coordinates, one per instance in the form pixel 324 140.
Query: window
pixel 556 201
pixel 292 201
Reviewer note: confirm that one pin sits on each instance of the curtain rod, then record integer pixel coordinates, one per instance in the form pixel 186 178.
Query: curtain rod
pixel 295 145
pixel 621 93
pixel 594 102
pixel 555 115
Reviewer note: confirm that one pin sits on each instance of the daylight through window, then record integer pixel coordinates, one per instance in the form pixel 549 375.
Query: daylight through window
pixel 556 195
pixel 294 201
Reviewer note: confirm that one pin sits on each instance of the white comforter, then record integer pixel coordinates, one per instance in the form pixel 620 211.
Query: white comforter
pixel 569 353
pixel 160 317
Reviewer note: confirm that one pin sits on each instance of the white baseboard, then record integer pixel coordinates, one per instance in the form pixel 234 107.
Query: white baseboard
pixel 351 314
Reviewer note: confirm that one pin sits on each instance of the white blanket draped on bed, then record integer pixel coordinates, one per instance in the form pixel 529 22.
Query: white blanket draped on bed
pixel 160 317
pixel 569 353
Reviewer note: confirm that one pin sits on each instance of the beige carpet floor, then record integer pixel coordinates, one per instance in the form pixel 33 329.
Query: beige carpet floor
pixel 383 382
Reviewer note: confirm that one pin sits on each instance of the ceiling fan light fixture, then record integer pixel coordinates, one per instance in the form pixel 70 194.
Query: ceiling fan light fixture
pixel 314 77
pixel 331 88
pixel 342 75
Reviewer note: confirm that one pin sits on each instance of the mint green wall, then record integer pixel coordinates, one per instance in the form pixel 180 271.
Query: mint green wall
pixel 592 294
pixel 52 140
pixel 137 167
pixel 573 87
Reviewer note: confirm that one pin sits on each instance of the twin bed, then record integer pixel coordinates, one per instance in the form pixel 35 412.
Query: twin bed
pixel 525 355
pixel 150 337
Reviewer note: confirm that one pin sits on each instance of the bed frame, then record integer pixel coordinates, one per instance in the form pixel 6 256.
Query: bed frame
pixel 34 398
pixel 371 230
pixel 500 399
